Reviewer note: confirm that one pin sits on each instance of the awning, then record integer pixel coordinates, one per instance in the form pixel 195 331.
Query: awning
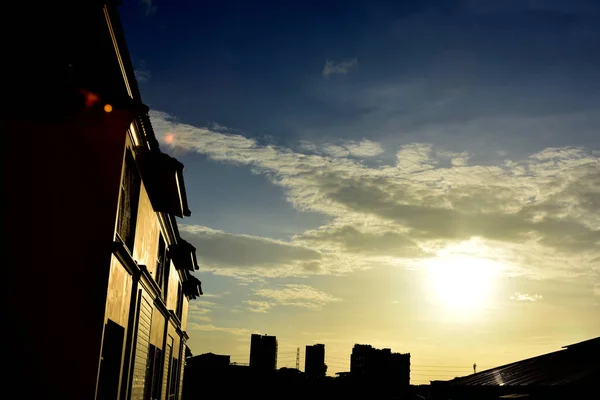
pixel 163 178
pixel 183 255
pixel 192 287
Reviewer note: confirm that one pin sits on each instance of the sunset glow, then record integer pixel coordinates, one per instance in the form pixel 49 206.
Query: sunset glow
pixel 462 285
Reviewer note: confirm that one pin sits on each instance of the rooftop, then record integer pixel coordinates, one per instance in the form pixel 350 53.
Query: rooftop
pixel 576 364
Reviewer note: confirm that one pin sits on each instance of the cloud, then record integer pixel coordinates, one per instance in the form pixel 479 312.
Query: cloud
pixel 360 149
pixel 200 312
pixel 352 240
pixel 295 295
pixel 258 306
pixel 541 212
pixel 213 328
pixel 150 9
pixel 245 255
pixel 526 297
pixel 341 67
pixel 142 73
pixel 226 293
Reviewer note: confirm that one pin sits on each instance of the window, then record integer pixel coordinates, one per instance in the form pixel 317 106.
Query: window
pixel 162 263
pixel 128 206
pixel 152 386
pixel 110 365
pixel 174 379
pixel 179 309
pixel 167 365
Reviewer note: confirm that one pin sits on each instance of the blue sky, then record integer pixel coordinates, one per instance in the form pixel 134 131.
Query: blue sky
pixel 343 156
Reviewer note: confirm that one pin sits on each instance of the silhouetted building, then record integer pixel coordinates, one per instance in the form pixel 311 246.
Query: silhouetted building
pixel 369 363
pixel 571 373
pixel 314 361
pixel 208 360
pixel 263 352
pixel 102 308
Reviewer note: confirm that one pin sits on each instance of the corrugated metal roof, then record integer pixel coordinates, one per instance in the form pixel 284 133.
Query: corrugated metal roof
pixel 576 364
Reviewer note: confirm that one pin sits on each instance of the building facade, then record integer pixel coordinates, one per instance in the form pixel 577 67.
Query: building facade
pixel 314 361
pixel 263 352
pixel 369 363
pixel 118 276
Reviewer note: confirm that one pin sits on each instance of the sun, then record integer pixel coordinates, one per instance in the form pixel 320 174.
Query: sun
pixel 461 284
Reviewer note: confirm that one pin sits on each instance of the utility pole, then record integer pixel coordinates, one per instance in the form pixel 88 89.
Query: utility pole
pixel 474 368
pixel 298 358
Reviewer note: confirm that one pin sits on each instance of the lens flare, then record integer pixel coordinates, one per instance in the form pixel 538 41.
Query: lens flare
pixel 169 138
pixel 108 108
pixel 89 98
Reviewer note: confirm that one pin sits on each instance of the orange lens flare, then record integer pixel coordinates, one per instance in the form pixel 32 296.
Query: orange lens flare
pixel 169 138
pixel 108 108
pixel 90 98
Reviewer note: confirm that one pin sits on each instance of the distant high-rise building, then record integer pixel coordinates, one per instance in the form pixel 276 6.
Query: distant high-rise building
pixel 370 363
pixel 314 362
pixel 263 352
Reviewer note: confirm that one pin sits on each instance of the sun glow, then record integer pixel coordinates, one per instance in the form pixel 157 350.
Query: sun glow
pixel 462 284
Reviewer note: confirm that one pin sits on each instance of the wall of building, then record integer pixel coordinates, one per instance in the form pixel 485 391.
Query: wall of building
pixel 158 329
pixel 145 248
pixel 68 183
pixel 119 294
pixel 172 288
pixel 184 315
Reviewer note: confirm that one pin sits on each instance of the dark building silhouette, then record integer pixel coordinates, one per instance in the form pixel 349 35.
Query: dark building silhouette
pixel 314 361
pixel 263 352
pixel 570 373
pixel 102 305
pixel 208 360
pixel 369 363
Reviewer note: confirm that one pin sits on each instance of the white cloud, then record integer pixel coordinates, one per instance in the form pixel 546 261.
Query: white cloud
pixel 341 67
pixel 216 295
pixel 200 311
pixel 213 328
pixel 258 306
pixel 542 212
pixel 297 296
pixel 526 297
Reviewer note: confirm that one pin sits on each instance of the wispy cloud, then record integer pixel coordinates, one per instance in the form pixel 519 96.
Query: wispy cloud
pixel 150 8
pixel 213 328
pixel 361 149
pixel 245 255
pixel 258 306
pixel 296 295
pixel 526 297
pixel 199 312
pixel 142 73
pixel 216 295
pixel 341 67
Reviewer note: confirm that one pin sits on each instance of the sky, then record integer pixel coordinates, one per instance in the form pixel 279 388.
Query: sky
pixel 422 176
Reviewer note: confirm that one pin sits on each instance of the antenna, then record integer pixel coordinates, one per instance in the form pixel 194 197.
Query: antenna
pixel 298 358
